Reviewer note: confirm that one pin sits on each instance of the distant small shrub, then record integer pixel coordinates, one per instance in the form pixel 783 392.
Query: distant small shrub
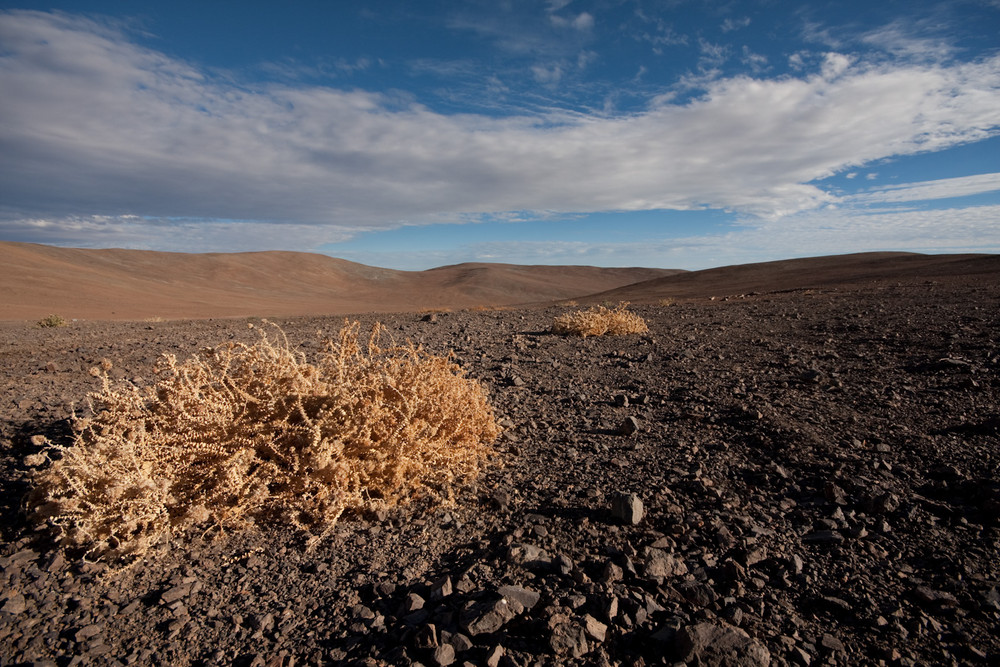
pixel 248 433
pixel 665 302
pixel 486 308
pixel 52 321
pixel 600 321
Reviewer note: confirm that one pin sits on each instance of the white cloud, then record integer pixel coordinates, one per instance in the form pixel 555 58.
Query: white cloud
pixel 95 125
pixel 731 24
pixel 807 234
pixel 944 188
pixel 835 231
pixel 757 62
pixel 548 75
pixel 172 234
pixel 903 39
pixel 583 21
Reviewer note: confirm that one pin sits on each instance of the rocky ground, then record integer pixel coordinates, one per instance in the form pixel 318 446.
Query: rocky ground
pixel 804 477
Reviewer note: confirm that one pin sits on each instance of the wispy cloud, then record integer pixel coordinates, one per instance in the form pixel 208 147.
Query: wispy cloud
pixel 731 24
pixel 944 188
pixel 806 234
pixel 96 125
pixel 912 39
pixel 582 21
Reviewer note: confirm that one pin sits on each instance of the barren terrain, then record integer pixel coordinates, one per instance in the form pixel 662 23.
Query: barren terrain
pixel 817 456
pixel 112 284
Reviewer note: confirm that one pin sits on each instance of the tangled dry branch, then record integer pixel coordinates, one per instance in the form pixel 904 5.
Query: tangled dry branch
pixel 600 321
pixel 241 433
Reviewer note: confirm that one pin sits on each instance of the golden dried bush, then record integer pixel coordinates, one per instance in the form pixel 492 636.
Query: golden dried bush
pixel 600 321
pixel 52 321
pixel 248 433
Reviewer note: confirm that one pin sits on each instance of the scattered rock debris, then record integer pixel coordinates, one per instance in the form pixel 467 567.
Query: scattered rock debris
pixel 808 477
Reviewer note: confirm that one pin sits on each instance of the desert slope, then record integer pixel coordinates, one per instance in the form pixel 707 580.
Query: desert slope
pixel 811 272
pixel 132 284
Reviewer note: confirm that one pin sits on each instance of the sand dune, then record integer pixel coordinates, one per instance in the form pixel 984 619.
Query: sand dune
pixel 132 284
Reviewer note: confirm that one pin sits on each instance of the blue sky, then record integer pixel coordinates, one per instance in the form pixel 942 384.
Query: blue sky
pixel 678 134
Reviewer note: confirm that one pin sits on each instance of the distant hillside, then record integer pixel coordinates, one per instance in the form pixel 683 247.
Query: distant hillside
pixel 37 280
pixel 813 272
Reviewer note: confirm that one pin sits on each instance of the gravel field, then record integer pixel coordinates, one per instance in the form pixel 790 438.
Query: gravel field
pixel 799 477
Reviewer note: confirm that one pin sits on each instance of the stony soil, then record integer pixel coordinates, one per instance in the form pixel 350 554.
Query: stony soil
pixel 817 473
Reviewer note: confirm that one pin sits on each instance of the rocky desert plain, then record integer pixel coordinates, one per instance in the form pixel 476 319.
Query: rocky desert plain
pixel 798 464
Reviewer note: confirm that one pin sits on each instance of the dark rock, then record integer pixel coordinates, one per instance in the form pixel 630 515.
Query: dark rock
pixel 441 588
pixel 460 642
pixel 444 655
pixel 823 537
pixel 87 632
pixel 659 563
pixel 528 555
pixel 629 427
pixel 426 637
pixel 494 656
pixel 935 598
pixel 501 499
pixel 832 643
pixel 413 602
pixel 486 617
pixel 594 629
pixel 519 598
pixel 715 645
pixel 177 592
pixel 883 503
pixel 835 494
pixel 566 637
pixel 627 507
pixel 15 604
pixel 697 593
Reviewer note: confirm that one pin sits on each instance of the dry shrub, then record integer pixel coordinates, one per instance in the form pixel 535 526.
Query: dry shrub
pixel 244 433
pixel 52 321
pixel 600 321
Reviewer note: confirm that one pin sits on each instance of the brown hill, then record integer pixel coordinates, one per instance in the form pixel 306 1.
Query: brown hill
pixel 808 273
pixel 38 280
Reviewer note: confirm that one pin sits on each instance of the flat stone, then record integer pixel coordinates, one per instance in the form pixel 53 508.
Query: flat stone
pixel 594 629
pixel 176 593
pixel 832 643
pixel 15 604
pixel 87 632
pixel 519 598
pixel 486 617
pixel 934 597
pixel 823 537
